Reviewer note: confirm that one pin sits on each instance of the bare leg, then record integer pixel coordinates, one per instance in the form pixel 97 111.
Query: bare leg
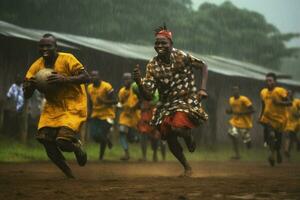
pixel 163 149
pixel 154 147
pixel 102 149
pixel 143 140
pixel 177 151
pixel 57 158
pixel 235 147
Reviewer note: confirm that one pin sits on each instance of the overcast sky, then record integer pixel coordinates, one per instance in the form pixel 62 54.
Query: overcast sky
pixel 284 14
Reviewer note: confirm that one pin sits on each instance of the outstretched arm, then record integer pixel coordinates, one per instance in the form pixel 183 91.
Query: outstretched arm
pixel 199 64
pixel 137 77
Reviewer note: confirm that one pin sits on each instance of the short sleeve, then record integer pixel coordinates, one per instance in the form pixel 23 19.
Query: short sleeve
pixel 280 94
pixel 230 101
pixel 262 96
pixel 75 67
pixel 34 68
pixel 122 94
pixel 195 62
pixel 108 88
pixel 247 102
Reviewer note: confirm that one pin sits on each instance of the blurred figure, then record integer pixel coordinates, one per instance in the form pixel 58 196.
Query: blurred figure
pixel 13 114
pixel 148 132
pixel 241 110
pixel 102 114
pixel 66 105
pixel 292 127
pixel 129 116
pixel 15 94
pixel 171 72
pixel 273 116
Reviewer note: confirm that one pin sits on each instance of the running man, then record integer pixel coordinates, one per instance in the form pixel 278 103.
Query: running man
pixel 273 116
pixel 146 130
pixel 241 110
pixel 129 116
pixel 171 73
pixel 101 95
pixel 292 127
pixel 66 106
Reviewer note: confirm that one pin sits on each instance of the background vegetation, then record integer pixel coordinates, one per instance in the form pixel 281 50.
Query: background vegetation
pixel 221 30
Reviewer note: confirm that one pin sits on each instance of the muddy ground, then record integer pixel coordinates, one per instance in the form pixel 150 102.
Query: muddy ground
pixel 133 180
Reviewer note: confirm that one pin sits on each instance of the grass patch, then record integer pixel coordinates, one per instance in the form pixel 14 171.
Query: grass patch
pixel 13 151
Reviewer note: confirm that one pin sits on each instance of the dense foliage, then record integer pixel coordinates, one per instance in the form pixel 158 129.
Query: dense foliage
pixel 222 30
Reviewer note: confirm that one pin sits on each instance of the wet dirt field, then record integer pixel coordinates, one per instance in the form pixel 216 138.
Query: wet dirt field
pixel 133 180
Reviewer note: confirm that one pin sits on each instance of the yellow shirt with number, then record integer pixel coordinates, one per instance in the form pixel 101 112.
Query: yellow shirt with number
pixel 130 114
pixel 97 93
pixel 67 105
pixel 239 105
pixel 293 119
pixel 274 115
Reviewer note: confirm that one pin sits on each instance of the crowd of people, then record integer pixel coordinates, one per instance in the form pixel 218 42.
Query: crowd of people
pixel 160 107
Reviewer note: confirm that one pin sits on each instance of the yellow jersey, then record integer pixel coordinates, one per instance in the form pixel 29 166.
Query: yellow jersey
pixel 292 120
pixel 100 110
pixel 240 105
pixel 273 114
pixel 130 114
pixel 67 106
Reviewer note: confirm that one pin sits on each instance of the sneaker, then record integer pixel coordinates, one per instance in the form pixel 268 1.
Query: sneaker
pixel 249 145
pixel 154 157
pixel 109 144
pixel 186 173
pixel 287 154
pixel 279 157
pixel 271 161
pixel 190 143
pixel 235 158
pixel 142 159
pixel 81 157
pixel 69 174
pixel 125 158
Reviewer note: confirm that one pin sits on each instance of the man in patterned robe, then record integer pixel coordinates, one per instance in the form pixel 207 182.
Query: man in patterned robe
pixel 179 109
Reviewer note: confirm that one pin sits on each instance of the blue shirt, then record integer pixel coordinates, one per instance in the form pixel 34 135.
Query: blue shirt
pixel 15 93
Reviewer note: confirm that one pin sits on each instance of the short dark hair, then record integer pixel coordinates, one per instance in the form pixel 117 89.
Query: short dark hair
pixel 273 75
pixel 49 35
pixel 46 35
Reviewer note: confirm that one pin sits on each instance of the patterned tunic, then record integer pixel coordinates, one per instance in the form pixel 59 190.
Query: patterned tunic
pixel 175 83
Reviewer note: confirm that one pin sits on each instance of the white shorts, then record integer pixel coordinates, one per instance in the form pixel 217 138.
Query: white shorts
pixel 242 132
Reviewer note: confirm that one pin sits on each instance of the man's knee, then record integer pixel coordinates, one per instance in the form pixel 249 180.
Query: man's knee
pixel 65 145
pixel 181 131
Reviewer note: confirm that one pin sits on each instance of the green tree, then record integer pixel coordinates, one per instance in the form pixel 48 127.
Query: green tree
pixel 221 30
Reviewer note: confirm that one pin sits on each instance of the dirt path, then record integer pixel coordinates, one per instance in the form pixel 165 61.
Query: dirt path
pixel 211 180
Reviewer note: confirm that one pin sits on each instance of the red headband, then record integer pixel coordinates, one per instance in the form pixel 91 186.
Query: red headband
pixel 165 33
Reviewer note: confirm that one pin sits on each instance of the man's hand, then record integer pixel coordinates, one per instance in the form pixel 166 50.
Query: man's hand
pixel 56 78
pixel 202 94
pixel 31 82
pixel 137 77
pixel 29 86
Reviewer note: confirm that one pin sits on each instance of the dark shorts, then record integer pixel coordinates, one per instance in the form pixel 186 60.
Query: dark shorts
pixel 52 134
pixel 99 129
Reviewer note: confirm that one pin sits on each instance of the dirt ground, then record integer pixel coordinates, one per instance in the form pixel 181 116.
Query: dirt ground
pixel 133 180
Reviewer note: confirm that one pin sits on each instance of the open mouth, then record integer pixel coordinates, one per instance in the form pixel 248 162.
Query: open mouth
pixel 46 54
pixel 161 50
